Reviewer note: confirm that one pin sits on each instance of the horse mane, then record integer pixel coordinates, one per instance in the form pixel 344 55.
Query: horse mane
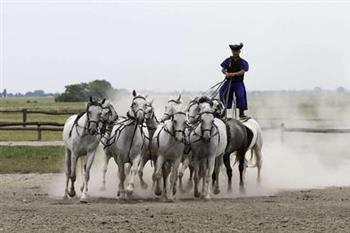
pixel 204 99
pixel 75 123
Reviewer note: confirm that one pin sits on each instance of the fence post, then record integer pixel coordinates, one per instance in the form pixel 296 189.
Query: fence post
pixel 282 132
pixel 24 111
pixel 39 132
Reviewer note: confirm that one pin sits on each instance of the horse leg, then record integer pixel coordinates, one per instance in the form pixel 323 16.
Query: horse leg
pixel 143 162
pixel 218 162
pixel 196 178
pixel 182 169
pixel 173 177
pixel 67 171
pixel 203 173
pixel 207 177
pixel 121 168
pixel 241 168
pixel 73 175
pixel 190 178
pixel 89 160
pixel 228 171
pixel 133 174
pixel 165 172
pixel 104 171
pixel 258 155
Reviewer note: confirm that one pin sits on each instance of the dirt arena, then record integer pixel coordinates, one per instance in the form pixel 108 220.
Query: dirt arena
pixel 26 205
pixel 305 188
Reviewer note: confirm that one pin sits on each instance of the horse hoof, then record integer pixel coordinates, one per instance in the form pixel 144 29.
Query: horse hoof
pixel 242 190
pixel 129 192
pixel 207 197
pixel 216 191
pixel 84 199
pixel 118 194
pixel 65 197
pixel 158 192
pixel 71 193
pixel 196 194
pixel 157 176
pixel 144 185
pixel 229 189
pixel 170 199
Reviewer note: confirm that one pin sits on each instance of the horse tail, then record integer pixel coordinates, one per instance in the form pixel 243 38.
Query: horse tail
pixel 250 163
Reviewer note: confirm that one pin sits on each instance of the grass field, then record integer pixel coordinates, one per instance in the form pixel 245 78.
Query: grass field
pixel 26 159
pixel 322 109
pixel 262 105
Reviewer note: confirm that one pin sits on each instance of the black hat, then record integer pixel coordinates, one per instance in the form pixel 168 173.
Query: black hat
pixel 236 46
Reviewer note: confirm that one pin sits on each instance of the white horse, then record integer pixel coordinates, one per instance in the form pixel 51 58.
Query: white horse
pixel 127 143
pixel 80 136
pixel 253 134
pixel 109 119
pixel 208 143
pixel 152 123
pixel 169 143
pixel 255 145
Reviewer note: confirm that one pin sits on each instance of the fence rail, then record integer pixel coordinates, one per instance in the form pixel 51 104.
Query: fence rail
pixel 55 126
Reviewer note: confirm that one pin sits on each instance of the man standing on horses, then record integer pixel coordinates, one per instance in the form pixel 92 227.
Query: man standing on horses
pixel 234 68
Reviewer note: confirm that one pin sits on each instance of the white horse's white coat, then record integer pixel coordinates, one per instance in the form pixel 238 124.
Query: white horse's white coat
pixel 207 155
pixel 79 140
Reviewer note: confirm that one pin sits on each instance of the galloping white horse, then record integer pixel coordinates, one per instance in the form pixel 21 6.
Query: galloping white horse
pixel 80 136
pixel 109 118
pixel 152 123
pixel 169 143
pixel 127 143
pixel 208 143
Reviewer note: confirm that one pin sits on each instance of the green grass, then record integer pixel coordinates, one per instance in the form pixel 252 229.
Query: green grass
pixel 34 103
pixel 26 159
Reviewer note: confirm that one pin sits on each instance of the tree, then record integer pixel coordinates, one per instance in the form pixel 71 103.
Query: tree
pixel 99 88
pixel 82 91
pixel 74 93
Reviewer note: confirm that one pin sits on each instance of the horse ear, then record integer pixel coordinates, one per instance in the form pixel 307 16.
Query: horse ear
pixel 179 98
pixel 211 103
pixel 134 93
pixel 103 101
pixel 90 99
pixel 151 101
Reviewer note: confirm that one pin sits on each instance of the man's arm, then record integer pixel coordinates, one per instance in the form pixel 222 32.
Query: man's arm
pixel 245 68
pixel 233 74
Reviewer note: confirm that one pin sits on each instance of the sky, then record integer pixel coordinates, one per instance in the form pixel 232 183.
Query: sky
pixel 173 45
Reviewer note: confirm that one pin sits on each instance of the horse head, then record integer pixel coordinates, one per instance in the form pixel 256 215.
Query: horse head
pixel 149 111
pixel 108 115
pixel 93 112
pixel 138 107
pixel 206 116
pixel 178 119
pixel 193 111
pixel 170 107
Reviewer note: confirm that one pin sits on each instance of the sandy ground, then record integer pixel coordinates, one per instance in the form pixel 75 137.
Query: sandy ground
pixel 28 204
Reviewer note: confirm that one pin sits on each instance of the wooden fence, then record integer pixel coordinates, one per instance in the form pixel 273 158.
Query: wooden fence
pixel 34 126
pixel 54 126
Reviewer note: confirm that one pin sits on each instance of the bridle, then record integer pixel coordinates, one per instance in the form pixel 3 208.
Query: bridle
pixel 138 110
pixel 177 130
pixel 89 121
pixel 195 117
pixel 205 130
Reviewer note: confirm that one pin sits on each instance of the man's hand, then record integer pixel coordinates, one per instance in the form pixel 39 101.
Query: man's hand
pixel 230 75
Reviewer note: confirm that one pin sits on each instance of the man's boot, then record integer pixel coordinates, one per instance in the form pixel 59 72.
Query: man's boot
pixel 241 114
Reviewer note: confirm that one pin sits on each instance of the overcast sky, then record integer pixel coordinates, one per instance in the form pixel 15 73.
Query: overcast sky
pixel 173 45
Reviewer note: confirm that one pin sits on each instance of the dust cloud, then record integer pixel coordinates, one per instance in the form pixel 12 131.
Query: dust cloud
pixel 302 161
